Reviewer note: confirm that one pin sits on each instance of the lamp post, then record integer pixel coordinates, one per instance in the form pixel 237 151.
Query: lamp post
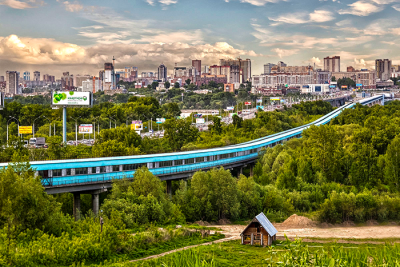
pixel 12 118
pixel 113 118
pixel 33 127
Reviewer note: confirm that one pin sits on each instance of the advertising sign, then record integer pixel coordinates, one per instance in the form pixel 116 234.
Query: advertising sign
pixel 359 84
pixel 259 100
pixel 71 98
pixel 230 108
pixel 137 126
pixel 85 128
pixel 344 86
pixel 25 130
pixel 260 107
pixel 197 115
pixel 160 120
pixel 332 86
pixel 247 103
pixel 200 120
pixel 282 100
pixel 275 98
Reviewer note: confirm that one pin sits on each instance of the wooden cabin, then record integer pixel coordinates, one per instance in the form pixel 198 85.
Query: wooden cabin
pixel 260 231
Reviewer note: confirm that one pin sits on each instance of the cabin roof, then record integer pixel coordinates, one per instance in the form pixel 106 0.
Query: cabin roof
pixel 263 220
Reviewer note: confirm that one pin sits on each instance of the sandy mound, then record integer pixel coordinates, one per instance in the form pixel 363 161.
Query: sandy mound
pixel 298 222
pixel 202 223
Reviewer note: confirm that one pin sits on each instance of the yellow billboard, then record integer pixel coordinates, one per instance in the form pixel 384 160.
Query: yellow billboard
pixel 25 129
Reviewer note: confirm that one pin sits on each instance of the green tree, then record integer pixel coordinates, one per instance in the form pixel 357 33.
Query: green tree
pixel 187 81
pixel 237 121
pixel 167 84
pixel 154 85
pixel 392 170
pixel 176 85
pixel 179 133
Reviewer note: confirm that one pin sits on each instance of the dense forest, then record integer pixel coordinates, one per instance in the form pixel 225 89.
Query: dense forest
pixel 116 138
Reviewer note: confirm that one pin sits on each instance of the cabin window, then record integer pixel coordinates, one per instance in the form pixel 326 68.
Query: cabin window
pixel 81 171
pixel 68 172
pixel 210 158
pixel 57 173
pixel 94 170
pixel 189 161
pixel 44 174
pixel 165 164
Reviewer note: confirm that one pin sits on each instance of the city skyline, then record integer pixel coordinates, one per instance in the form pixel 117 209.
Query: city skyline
pixel 80 36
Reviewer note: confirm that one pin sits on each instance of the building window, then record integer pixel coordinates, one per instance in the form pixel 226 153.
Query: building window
pixel 81 171
pixel 57 173
pixel 115 168
pixel 178 162
pixel 44 174
pixel 189 161
pixel 132 167
pixel 201 159
pixel 165 164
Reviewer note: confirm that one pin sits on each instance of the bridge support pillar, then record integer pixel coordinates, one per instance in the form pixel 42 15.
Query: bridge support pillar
pixel 169 188
pixel 77 206
pixel 251 169
pixel 95 203
pixel 240 171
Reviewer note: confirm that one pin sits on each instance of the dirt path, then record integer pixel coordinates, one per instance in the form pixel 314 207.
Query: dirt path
pixel 364 232
pixel 188 247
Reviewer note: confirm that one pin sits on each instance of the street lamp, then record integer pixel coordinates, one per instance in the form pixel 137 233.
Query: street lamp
pixel 12 118
pixel 33 127
pixel 115 122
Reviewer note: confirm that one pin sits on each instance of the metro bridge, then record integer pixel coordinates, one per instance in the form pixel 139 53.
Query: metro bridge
pixel 95 175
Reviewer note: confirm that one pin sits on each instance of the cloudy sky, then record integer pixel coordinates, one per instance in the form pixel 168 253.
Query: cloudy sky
pixel 53 36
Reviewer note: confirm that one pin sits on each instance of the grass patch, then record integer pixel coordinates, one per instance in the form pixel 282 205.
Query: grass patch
pixel 233 254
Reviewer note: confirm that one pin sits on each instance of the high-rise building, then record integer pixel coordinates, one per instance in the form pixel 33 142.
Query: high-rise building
pixel 332 64
pixel 244 65
pixel 197 64
pixel 206 69
pixel 101 80
pixel 131 74
pixel 12 78
pixel 383 69
pixel 268 67
pixel 27 76
pixel 36 76
pixel 1 78
pixel 179 72
pixel 281 64
pixel 109 76
pixel 162 73
pixel 67 81
pixel 49 78
pixel 79 79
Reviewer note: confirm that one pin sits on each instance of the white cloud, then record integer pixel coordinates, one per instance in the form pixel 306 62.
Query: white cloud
pixel 361 8
pixel 396 7
pixel 285 52
pixel 315 60
pixel 163 2
pixel 258 2
pixel 73 7
pixel 302 17
pixel 51 55
pixel 21 4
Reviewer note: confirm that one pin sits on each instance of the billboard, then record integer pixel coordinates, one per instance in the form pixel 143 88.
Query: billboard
pixel 359 84
pixel 344 86
pixel 200 120
pixel 260 107
pixel 230 108
pixel 332 86
pixel 137 126
pixel 275 98
pixel 71 98
pixel 25 129
pixel 259 101
pixel 160 120
pixel 86 128
pixel 247 103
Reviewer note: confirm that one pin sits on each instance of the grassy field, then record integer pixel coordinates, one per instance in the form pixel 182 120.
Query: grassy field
pixel 233 254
